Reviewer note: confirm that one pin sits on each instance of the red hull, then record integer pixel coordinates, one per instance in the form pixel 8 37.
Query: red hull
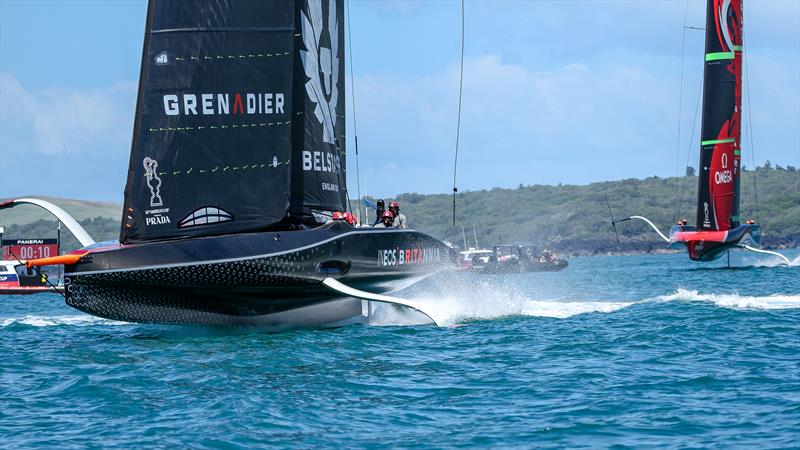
pixel 26 290
pixel 710 245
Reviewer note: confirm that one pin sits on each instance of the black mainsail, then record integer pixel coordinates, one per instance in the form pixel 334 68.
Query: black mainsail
pixel 239 120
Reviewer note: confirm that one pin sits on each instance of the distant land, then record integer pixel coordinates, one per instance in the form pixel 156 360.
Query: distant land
pixel 79 209
pixel 570 219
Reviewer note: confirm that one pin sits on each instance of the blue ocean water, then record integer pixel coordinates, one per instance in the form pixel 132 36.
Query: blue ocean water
pixel 614 351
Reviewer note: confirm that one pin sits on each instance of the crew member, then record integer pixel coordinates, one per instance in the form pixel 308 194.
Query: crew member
pixel 399 219
pixel 336 216
pixel 387 220
pixel 350 218
pixel 380 209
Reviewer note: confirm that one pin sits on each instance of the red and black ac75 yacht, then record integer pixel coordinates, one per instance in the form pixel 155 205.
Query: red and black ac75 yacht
pixel 719 226
pixel 237 164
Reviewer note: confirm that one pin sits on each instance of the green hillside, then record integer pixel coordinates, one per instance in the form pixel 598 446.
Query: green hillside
pixel 571 219
pixel 79 209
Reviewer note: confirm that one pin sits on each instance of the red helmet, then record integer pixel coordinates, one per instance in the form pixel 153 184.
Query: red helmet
pixel 337 215
pixel 394 205
pixel 350 218
pixel 387 214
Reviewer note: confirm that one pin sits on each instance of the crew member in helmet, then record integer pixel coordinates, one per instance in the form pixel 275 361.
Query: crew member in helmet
pixel 399 219
pixel 387 220
pixel 336 216
pixel 350 218
pixel 381 208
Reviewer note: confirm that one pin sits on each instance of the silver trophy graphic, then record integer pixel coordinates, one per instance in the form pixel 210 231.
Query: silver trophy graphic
pixel 150 166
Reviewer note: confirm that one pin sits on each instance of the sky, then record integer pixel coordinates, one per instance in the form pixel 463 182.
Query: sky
pixel 554 92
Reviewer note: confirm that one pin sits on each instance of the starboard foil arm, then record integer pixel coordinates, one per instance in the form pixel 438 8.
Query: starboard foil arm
pixel 647 221
pixel 342 288
pixel 72 225
pixel 768 252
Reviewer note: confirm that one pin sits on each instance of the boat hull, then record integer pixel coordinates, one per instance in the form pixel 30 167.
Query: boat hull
pixel 29 290
pixel 269 278
pixel 710 245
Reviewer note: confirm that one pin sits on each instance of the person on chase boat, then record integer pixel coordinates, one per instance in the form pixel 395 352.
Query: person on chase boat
pixel 399 219
pixel 379 210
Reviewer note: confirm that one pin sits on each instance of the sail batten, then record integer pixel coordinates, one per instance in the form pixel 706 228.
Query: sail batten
pixel 224 30
pixel 720 154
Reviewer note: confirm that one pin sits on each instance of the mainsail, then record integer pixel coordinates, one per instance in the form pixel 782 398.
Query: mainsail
pixel 239 120
pixel 720 154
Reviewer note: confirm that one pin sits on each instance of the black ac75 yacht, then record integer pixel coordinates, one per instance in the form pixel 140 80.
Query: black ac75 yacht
pixel 237 164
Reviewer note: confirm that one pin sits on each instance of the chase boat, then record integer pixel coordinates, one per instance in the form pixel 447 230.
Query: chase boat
pixel 520 259
pixel 237 164
pixel 16 279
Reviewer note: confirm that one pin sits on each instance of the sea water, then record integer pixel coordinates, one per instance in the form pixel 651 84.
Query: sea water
pixel 643 351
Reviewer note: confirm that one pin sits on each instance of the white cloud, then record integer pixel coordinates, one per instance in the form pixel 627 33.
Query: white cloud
pixel 63 120
pixel 612 115
pixel 518 125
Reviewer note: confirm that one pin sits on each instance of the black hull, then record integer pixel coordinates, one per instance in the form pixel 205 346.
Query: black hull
pixel 271 278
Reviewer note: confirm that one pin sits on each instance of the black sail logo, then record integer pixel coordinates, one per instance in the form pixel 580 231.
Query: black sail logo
pixel 321 65
pixel 153 181
pixel 161 59
pixel 210 104
pixel 158 215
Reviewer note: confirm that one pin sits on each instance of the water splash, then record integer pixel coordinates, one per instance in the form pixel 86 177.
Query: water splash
pixel 455 301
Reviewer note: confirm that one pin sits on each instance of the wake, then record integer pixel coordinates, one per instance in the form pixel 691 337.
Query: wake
pixel 735 301
pixel 52 321
pixel 770 262
pixel 483 302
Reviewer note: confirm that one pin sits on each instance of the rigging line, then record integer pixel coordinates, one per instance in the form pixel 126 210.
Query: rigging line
pixel 458 125
pixel 346 192
pixel 353 103
pixel 680 110
pixel 750 133
pixel 691 141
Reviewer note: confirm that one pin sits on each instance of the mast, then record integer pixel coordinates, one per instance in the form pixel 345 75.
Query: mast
pixel 720 147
